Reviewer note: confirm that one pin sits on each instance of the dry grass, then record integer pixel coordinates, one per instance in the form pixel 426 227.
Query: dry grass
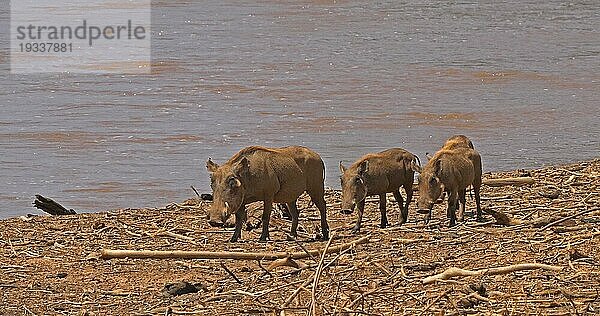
pixel 49 265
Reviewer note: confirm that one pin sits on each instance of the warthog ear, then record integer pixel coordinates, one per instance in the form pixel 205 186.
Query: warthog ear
pixel 363 167
pixel 342 168
pixel 242 167
pixel 415 167
pixel 211 166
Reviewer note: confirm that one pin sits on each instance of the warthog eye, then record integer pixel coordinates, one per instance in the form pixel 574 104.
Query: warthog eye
pixel 358 180
pixel 432 180
pixel 233 182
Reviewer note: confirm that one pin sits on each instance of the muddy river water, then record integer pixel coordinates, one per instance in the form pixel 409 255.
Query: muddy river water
pixel 521 78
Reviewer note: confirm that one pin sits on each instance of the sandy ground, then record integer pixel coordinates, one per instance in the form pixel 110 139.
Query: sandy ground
pixel 51 265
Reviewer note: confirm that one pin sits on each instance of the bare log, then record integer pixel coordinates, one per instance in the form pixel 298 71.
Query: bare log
pixel 177 254
pixel 508 181
pixel 50 206
pixel 457 272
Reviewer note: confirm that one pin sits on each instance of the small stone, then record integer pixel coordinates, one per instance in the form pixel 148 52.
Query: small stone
pixel 180 288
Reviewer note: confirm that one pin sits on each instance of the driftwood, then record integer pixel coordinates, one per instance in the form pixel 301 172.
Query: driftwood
pixel 49 206
pixel 564 219
pixel 508 181
pixel 150 254
pixel 452 272
pixel 518 181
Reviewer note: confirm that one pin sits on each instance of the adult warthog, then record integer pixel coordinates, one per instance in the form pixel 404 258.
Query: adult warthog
pixel 271 175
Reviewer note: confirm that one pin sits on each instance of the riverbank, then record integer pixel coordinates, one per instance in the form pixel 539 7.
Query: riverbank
pixel 53 265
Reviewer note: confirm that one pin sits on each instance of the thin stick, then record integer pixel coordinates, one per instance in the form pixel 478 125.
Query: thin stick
pixel 231 273
pixel 198 194
pixel 296 292
pixel 570 217
pixel 313 302
pixel 435 301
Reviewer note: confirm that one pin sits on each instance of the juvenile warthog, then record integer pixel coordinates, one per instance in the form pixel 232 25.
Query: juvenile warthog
pixel 462 141
pixel 270 175
pixel 457 141
pixel 452 170
pixel 378 174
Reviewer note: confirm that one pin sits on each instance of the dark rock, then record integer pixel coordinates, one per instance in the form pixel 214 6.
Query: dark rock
pixel 180 288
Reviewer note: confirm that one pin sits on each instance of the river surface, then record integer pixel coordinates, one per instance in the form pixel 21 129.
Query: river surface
pixel 521 78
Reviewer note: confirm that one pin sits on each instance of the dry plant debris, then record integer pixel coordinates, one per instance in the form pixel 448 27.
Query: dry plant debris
pixel 52 265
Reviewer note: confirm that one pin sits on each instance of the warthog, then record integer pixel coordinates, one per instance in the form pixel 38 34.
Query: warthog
pixel 457 141
pixel 452 170
pixel 378 174
pixel 270 175
pixel 462 141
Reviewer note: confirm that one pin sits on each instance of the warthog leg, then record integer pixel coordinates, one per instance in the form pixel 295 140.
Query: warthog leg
pixel 322 206
pixel 451 211
pixel 294 216
pixel 266 217
pixel 240 218
pixel 382 209
pixel 403 209
pixel 462 200
pixel 476 189
pixel 361 210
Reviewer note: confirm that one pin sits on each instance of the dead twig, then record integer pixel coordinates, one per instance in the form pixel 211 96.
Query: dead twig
pixel 564 219
pixel 453 272
pixel 231 273
pixel 313 302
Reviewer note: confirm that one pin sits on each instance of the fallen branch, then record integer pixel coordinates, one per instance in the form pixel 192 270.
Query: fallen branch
pixel 49 206
pixel 457 272
pixel 564 219
pixel 508 181
pixel 177 254
pixel 286 262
